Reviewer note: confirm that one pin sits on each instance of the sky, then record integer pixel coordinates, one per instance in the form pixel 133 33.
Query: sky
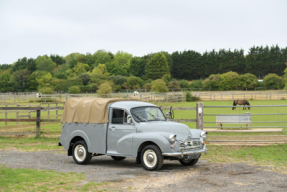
pixel 31 28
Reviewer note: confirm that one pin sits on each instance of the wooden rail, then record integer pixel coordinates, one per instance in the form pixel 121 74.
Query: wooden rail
pixel 29 109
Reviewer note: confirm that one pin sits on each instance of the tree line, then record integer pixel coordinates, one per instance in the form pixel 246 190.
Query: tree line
pixel 112 72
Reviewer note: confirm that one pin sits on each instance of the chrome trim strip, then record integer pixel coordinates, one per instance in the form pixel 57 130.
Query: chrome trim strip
pixel 204 150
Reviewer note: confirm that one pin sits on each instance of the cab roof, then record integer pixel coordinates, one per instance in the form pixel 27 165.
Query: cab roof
pixel 130 104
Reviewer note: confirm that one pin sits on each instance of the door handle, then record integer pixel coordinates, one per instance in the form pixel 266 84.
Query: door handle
pixel 112 128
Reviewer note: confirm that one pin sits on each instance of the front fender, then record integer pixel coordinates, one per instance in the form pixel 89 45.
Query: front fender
pixel 195 133
pixel 80 134
pixel 159 138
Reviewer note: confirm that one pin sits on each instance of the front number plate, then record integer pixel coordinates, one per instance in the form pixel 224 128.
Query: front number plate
pixel 194 156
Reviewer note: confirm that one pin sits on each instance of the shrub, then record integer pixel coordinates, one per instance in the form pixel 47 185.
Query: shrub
pixel 174 84
pixel 104 88
pixel 134 82
pixel 147 86
pixel 117 88
pixel 46 90
pixel 190 98
pixel 73 82
pixel 229 81
pixel 196 84
pixel 74 90
pixel 184 83
pixel 159 86
pixel 118 79
pixel 212 82
pixel 273 81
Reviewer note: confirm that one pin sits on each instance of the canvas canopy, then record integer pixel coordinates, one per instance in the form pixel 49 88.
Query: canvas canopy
pixel 88 110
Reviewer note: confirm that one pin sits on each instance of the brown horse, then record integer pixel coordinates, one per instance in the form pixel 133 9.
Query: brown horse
pixel 241 102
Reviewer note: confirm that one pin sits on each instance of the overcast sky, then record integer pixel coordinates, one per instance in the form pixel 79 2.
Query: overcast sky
pixel 33 28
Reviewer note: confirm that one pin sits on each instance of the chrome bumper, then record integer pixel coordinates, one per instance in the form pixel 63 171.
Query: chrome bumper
pixel 192 152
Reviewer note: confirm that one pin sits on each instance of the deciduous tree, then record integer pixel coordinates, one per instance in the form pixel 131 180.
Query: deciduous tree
pixel 44 63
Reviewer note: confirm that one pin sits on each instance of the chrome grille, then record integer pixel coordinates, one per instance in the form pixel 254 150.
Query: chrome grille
pixel 190 144
pixel 196 143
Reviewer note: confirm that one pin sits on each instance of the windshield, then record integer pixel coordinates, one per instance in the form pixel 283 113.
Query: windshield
pixel 144 114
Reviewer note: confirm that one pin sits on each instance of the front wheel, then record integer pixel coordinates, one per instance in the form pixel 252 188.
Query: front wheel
pixel 151 158
pixel 118 158
pixel 80 153
pixel 188 162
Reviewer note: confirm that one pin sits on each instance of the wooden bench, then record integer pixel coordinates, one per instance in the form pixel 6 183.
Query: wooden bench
pixel 234 119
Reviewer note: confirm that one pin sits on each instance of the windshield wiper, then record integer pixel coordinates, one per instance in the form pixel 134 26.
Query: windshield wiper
pixel 153 116
pixel 138 117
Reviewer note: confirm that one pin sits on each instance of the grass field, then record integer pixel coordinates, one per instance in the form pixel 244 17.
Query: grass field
pixel 41 180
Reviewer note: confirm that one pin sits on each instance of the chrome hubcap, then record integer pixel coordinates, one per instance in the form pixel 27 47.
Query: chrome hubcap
pixel 150 158
pixel 80 153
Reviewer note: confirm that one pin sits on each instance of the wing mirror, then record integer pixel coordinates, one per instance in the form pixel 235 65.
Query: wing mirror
pixel 129 119
pixel 167 115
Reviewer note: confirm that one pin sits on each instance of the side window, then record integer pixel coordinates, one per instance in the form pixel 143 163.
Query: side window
pixel 118 116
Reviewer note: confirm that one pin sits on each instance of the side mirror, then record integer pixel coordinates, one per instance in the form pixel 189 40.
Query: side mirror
pixel 129 119
pixel 167 115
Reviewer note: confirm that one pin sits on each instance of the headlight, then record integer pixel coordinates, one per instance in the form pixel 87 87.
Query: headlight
pixel 172 138
pixel 203 135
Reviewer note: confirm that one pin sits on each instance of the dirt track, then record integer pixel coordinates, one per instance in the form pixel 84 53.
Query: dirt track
pixel 128 176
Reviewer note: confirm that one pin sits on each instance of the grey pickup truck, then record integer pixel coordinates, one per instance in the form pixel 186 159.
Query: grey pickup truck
pixel 123 128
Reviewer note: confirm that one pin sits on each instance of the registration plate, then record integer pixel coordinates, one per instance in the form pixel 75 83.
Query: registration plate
pixel 193 156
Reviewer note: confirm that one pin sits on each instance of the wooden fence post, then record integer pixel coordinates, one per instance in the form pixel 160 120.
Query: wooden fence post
pixel 56 111
pixel 6 115
pixel 199 116
pixel 38 123
pixel 29 111
pixel 17 114
pixel 49 111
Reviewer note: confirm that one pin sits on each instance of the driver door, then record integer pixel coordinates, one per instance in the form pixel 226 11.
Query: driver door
pixel 120 134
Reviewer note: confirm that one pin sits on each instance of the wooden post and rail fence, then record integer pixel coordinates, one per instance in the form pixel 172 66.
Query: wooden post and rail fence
pixel 37 120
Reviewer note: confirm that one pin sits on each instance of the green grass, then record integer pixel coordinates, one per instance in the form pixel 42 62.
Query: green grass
pixel 42 180
pixel 271 155
pixel 29 143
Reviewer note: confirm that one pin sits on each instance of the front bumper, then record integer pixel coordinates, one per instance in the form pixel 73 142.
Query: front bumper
pixel 191 152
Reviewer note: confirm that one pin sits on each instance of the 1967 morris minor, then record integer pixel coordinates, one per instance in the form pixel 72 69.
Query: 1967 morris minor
pixel 123 128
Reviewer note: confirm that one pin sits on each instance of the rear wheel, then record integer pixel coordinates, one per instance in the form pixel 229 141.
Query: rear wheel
pixel 80 153
pixel 118 158
pixel 151 158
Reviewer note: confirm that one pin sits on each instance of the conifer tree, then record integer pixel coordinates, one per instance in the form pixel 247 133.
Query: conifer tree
pixel 157 67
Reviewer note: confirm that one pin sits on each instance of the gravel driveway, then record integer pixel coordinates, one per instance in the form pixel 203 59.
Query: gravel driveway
pixel 126 175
